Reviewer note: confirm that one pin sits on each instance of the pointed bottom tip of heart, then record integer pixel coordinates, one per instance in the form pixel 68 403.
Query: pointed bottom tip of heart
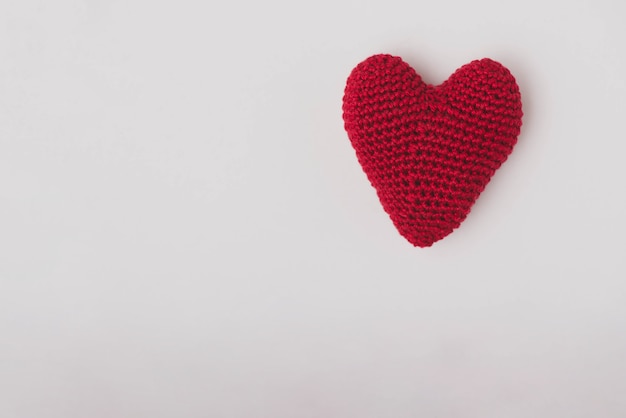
pixel 425 238
pixel 422 241
pixel 422 244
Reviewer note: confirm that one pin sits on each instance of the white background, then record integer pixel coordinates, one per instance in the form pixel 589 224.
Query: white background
pixel 185 230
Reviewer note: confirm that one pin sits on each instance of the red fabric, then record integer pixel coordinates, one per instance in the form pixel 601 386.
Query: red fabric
pixel 429 151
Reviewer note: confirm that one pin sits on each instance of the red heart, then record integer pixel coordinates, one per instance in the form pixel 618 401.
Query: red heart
pixel 429 151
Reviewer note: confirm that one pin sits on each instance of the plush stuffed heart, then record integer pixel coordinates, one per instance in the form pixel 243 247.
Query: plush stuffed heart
pixel 429 151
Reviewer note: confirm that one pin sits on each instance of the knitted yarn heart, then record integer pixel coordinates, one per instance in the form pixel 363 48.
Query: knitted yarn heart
pixel 429 151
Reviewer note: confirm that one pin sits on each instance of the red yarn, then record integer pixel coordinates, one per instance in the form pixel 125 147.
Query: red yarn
pixel 429 151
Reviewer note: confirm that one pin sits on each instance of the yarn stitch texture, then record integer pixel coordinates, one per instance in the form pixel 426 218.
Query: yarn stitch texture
pixel 429 151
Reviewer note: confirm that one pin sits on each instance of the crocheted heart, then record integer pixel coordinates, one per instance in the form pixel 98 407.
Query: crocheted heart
pixel 429 151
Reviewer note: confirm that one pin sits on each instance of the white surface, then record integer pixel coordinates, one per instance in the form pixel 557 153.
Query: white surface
pixel 185 230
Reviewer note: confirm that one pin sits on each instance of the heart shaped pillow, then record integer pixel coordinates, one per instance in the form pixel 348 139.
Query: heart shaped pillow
pixel 429 151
